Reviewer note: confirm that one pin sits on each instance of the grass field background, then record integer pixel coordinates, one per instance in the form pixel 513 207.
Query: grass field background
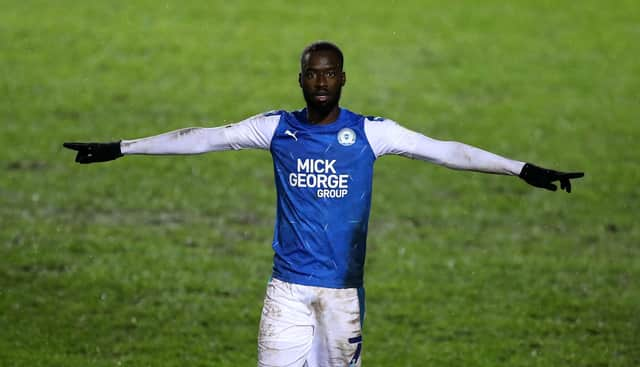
pixel 163 261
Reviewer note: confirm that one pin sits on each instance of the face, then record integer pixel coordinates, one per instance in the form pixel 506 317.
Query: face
pixel 321 80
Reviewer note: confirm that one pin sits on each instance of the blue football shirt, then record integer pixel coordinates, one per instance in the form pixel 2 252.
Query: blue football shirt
pixel 323 177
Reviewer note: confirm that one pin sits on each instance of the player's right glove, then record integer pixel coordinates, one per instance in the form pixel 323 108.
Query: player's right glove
pixel 544 178
pixel 95 152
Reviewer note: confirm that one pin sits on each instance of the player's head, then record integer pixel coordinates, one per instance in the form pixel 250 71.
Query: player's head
pixel 320 46
pixel 321 75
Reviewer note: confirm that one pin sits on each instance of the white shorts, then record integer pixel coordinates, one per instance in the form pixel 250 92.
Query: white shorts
pixel 310 326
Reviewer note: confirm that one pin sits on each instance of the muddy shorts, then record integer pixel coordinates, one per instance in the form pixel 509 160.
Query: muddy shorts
pixel 310 326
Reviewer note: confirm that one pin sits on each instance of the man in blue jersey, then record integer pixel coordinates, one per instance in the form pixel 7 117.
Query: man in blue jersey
pixel 323 158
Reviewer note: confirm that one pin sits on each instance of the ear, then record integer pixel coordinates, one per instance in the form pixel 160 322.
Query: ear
pixel 300 79
pixel 343 78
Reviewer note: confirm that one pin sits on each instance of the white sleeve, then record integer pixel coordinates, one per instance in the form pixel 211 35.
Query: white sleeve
pixel 388 137
pixel 255 132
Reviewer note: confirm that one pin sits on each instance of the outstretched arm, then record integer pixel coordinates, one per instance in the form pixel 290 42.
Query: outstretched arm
pixel 255 132
pixel 387 137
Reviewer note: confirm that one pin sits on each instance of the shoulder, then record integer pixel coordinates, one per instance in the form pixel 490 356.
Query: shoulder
pixel 367 119
pixel 372 120
pixel 375 119
pixel 273 113
pixel 384 134
pixel 263 119
pixel 376 127
pixel 378 123
pixel 287 117
pixel 263 124
pixel 269 115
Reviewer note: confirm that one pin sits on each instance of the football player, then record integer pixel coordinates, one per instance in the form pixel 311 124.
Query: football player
pixel 323 159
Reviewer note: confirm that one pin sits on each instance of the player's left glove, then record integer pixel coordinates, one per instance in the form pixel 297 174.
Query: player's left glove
pixel 95 152
pixel 544 178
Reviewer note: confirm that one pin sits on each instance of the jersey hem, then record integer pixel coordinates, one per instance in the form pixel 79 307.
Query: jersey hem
pixel 316 282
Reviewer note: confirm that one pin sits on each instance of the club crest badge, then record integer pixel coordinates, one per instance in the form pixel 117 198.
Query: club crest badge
pixel 346 137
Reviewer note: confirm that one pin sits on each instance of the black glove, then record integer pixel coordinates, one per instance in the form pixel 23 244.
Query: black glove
pixel 542 177
pixel 95 152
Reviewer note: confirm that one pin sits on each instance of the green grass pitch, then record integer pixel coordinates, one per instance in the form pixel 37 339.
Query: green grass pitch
pixel 163 261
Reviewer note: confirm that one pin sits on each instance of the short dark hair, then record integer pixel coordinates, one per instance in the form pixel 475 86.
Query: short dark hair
pixel 322 46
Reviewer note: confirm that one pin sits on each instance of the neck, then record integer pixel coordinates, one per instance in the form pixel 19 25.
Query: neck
pixel 322 117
